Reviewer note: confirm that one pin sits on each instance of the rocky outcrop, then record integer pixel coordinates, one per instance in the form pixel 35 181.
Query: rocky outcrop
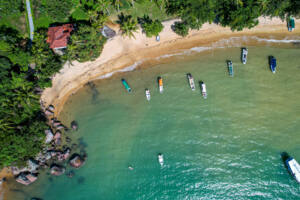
pixel 57 170
pixel 76 161
pixel 26 178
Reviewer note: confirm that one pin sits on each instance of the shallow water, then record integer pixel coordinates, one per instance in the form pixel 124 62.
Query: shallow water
pixel 225 147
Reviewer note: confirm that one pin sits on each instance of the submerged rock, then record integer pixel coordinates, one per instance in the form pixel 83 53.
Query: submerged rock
pixel 76 161
pixel 74 125
pixel 70 174
pixel 26 178
pixel 57 170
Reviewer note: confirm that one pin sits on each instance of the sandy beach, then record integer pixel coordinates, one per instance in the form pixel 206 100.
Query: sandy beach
pixel 121 52
pixel 4 173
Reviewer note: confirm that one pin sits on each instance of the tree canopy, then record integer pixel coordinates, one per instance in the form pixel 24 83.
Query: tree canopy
pixel 150 27
pixel 128 25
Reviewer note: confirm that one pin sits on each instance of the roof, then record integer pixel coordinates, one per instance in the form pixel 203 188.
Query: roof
pixel 58 36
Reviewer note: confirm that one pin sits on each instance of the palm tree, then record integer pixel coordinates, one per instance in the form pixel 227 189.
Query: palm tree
pixel 128 25
pixel 117 4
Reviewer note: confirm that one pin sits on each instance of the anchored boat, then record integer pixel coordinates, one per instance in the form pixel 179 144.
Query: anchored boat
pixel 291 24
pixel 191 81
pixel 292 165
pixel 127 87
pixel 230 68
pixel 244 55
pixel 273 64
pixel 161 159
pixel 148 94
pixel 203 89
pixel 160 85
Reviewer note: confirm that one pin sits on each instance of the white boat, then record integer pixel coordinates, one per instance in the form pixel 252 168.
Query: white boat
pixel 148 94
pixel 160 85
pixel 191 81
pixel 161 159
pixel 244 55
pixel 294 168
pixel 203 89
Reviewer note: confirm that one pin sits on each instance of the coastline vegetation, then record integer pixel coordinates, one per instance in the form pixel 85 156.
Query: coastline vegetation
pixel 26 67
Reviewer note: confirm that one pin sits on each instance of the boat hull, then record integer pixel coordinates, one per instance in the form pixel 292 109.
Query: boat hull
pixel 294 168
pixel 191 81
pixel 160 85
pixel 127 87
pixel 230 68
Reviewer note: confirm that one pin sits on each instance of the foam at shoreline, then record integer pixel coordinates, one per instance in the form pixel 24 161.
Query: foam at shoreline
pixel 223 43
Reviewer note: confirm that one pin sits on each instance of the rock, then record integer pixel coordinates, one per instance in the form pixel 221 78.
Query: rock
pixel 76 161
pixel 70 174
pixel 26 178
pixel 60 127
pixel 51 108
pixel 57 170
pixel 108 32
pixel 57 138
pixel 68 140
pixel 49 136
pixel 48 112
pixel 17 170
pixel 66 153
pixel 33 165
pixel 56 124
pixel 74 125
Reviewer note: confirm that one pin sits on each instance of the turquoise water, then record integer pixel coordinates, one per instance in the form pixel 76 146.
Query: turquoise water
pixel 225 147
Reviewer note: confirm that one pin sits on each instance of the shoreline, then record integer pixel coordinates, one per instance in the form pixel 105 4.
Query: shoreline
pixel 121 52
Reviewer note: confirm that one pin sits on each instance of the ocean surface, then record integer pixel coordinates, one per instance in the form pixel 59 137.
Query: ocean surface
pixel 227 146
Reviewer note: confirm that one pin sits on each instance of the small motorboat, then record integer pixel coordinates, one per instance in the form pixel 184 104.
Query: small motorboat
pixel 191 81
pixel 203 89
pixel 147 94
pixel 244 55
pixel 160 85
pixel 161 159
pixel 273 64
pixel 292 166
pixel 291 24
pixel 127 87
pixel 230 68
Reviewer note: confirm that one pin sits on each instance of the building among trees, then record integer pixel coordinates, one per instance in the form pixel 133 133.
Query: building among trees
pixel 58 37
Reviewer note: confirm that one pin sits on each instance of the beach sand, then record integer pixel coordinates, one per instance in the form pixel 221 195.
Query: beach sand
pixel 4 173
pixel 121 52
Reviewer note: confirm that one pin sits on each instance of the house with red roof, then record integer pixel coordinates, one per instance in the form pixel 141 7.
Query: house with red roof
pixel 58 37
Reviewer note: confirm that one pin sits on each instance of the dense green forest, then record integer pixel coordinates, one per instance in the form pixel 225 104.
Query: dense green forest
pixel 22 123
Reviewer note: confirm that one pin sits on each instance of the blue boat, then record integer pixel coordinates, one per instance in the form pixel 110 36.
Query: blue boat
pixel 272 62
pixel 127 87
pixel 230 68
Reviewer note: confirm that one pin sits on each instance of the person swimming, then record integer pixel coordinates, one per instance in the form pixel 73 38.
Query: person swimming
pixel 130 167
